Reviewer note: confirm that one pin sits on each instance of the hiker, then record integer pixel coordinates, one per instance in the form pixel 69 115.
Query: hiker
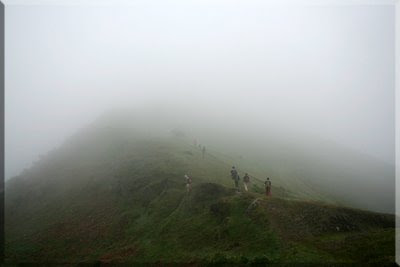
pixel 203 151
pixel 235 177
pixel 268 186
pixel 188 183
pixel 246 181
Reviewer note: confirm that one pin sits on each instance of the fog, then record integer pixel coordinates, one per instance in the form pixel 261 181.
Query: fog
pixel 303 74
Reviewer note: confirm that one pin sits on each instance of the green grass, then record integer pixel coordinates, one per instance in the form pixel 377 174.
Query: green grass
pixel 118 199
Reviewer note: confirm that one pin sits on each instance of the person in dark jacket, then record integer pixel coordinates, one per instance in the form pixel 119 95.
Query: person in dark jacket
pixel 235 177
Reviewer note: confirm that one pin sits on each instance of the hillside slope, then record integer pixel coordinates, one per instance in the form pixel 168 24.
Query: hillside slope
pixel 116 196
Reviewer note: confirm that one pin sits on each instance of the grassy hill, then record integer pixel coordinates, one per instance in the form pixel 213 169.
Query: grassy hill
pixel 118 195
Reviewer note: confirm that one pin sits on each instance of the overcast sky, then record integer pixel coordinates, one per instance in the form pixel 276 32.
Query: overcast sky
pixel 325 70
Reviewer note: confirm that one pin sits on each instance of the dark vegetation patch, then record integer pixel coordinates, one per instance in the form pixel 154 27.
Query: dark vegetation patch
pixel 297 220
pixel 220 210
pixel 206 192
pixel 373 246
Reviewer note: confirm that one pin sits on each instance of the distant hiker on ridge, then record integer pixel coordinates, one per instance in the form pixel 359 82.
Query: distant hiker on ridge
pixel 268 186
pixel 235 177
pixel 188 183
pixel 246 181
pixel 203 151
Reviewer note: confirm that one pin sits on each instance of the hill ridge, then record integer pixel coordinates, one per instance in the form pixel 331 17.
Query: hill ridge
pixel 119 197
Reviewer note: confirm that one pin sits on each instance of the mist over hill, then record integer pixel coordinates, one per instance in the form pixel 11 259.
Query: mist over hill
pixel 309 165
pixel 114 192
